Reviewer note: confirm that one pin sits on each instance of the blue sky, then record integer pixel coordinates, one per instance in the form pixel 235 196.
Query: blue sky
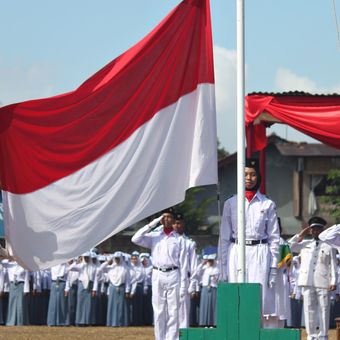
pixel 51 47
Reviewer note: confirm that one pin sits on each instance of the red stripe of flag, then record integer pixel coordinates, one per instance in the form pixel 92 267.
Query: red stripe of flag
pixel 44 140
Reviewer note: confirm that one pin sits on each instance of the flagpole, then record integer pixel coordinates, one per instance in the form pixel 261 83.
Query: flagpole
pixel 240 143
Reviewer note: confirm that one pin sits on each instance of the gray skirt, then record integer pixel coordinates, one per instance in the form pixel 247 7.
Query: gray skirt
pixel 117 307
pixel 17 314
pixel 58 312
pixel 85 312
pixel 208 306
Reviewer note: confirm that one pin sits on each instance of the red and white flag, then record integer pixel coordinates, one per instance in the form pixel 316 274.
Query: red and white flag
pixel 79 167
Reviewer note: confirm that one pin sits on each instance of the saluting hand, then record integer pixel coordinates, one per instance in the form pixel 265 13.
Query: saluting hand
pixel 305 231
pixel 332 288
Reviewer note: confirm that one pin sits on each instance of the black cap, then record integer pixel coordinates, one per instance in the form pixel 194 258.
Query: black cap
pixel 169 211
pixel 252 163
pixel 179 216
pixel 317 222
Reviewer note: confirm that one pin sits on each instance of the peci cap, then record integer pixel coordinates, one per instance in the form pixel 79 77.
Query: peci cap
pixel 252 163
pixel 179 216
pixel 317 222
pixel 169 211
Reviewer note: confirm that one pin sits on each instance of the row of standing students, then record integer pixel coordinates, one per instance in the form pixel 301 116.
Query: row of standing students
pixel 98 290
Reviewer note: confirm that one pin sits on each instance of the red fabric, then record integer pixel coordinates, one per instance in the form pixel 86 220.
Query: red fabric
pixel 315 116
pixel 44 140
pixel 250 194
pixel 167 231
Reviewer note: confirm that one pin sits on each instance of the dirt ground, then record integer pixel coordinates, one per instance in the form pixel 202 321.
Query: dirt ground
pixel 96 333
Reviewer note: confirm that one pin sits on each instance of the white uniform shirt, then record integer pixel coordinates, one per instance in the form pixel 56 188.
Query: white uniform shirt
pixel 36 279
pixel 137 276
pixel 332 236
pixel 87 274
pixel 318 263
pixel 117 274
pixel 59 272
pixel 18 274
pixel 166 250
pixel 261 223
pixel 293 281
pixel 46 279
pixel 208 275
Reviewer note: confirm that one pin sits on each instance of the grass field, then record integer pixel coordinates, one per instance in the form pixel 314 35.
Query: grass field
pixel 95 333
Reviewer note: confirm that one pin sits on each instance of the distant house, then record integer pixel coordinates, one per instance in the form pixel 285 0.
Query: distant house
pixel 295 178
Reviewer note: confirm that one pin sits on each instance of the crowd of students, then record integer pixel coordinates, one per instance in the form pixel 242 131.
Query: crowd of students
pixel 111 289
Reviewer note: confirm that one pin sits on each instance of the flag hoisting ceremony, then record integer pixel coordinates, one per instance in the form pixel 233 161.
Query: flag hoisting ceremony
pixel 126 212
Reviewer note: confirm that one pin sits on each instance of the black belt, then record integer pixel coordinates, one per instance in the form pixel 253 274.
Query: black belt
pixel 165 269
pixel 58 281
pixel 250 242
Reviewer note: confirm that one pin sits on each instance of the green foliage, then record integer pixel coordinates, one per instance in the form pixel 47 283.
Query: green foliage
pixel 221 152
pixel 332 197
pixel 195 211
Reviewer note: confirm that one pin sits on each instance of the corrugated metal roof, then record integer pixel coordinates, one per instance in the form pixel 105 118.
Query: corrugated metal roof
pixel 294 93
pixel 307 150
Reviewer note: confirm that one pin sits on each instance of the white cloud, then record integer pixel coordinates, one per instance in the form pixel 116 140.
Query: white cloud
pixel 20 81
pixel 286 80
pixel 225 87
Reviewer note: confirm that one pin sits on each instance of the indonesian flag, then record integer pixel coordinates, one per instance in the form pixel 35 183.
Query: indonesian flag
pixel 79 167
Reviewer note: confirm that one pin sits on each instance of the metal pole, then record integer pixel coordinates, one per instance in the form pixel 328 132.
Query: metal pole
pixel 240 143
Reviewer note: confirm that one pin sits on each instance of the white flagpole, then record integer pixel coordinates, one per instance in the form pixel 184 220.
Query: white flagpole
pixel 240 143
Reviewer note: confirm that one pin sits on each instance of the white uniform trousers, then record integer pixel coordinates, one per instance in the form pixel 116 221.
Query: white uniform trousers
pixel 165 303
pixel 184 310
pixel 316 303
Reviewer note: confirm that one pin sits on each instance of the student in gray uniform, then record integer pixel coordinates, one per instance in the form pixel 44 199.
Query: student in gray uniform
pixel 136 295
pixel 147 289
pixel 46 283
pixel 18 295
pixel 71 291
pixel 119 290
pixel 58 313
pixel 87 290
pixel 101 293
pixel 208 273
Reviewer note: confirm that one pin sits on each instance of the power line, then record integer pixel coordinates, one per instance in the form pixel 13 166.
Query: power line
pixel 336 22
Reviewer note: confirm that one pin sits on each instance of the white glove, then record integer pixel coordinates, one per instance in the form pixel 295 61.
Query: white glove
pixel 154 222
pixel 272 277
pixel 182 292
pixel 145 290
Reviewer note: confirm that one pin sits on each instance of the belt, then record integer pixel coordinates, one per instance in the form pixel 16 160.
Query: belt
pixel 58 281
pixel 250 242
pixel 165 269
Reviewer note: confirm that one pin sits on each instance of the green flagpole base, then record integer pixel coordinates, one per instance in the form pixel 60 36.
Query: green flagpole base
pixel 239 317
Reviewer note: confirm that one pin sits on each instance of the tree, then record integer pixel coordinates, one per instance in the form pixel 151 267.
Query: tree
pixel 194 208
pixel 332 196
pixel 221 152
